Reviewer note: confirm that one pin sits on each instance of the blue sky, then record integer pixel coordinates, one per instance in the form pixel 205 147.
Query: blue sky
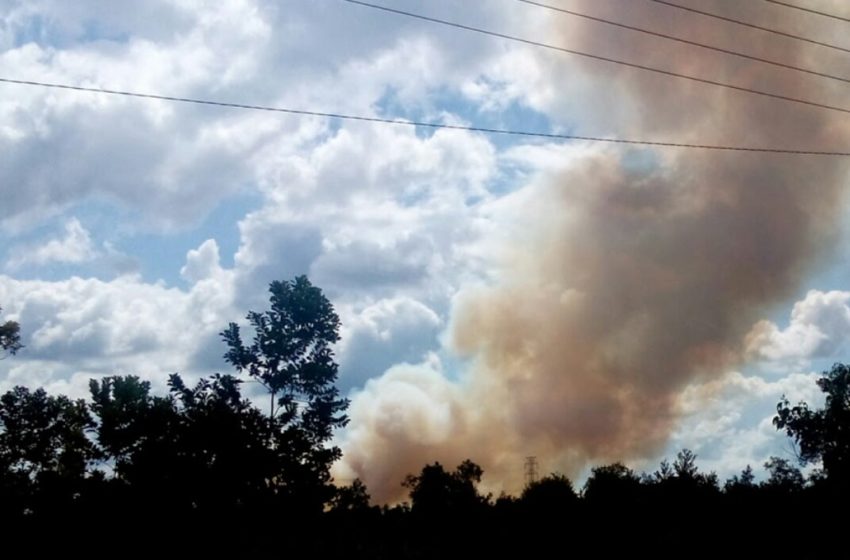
pixel 132 231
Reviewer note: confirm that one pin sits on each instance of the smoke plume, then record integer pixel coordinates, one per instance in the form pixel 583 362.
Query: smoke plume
pixel 639 272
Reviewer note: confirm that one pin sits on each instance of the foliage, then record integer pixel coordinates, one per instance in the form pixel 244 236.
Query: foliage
pixel 202 469
pixel 10 337
pixel 784 477
pixel 291 355
pixel 743 483
pixel 553 494
pixel 680 484
pixel 135 430
pixel 44 449
pixel 352 498
pixel 436 491
pixel 823 434
pixel 611 483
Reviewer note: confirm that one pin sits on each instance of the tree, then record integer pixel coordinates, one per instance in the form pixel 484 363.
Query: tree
pixel 784 477
pixel 42 434
pixel 135 429
pixel 824 434
pixel 291 355
pixel 436 492
pixel 352 498
pixel 551 495
pixel 611 484
pixel 744 484
pixel 223 443
pixel 45 452
pixel 682 482
pixel 10 337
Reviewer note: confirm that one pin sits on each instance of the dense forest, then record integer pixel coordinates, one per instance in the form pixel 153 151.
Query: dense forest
pixel 203 469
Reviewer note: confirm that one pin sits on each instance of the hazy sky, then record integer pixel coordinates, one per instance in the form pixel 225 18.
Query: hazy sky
pixel 134 230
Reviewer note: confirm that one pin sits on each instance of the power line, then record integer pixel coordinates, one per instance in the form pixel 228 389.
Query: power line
pixel 809 10
pixel 601 58
pixel 434 125
pixel 686 41
pixel 751 25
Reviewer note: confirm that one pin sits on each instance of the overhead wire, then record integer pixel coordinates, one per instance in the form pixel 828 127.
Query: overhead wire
pixel 751 25
pixel 601 58
pixel 809 10
pixel 684 41
pixel 426 124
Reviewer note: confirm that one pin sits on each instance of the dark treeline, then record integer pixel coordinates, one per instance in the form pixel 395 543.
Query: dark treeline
pixel 201 469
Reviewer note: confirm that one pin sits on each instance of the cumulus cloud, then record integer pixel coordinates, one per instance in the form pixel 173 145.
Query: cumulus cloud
pixel 89 326
pixel 406 229
pixel 389 331
pixel 818 328
pixel 174 163
pixel 74 247
pixel 728 421
pixel 378 216
pixel 202 263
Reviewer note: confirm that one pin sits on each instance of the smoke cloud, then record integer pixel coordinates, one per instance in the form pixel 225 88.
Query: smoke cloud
pixel 640 272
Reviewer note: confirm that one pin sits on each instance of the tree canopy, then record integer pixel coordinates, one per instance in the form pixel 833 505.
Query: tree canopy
pixel 822 435
pixel 10 337
pixel 291 356
pixel 201 467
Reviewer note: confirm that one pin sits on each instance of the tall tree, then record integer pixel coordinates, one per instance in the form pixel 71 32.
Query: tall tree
pixel 822 434
pixel 291 355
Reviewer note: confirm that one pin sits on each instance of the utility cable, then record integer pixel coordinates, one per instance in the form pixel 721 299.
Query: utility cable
pixel 433 125
pixel 751 25
pixel 685 41
pixel 601 58
pixel 809 10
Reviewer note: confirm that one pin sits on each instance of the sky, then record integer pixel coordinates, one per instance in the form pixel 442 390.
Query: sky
pixel 474 274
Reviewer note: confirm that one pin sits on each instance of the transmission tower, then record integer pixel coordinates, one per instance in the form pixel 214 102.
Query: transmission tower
pixel 530 470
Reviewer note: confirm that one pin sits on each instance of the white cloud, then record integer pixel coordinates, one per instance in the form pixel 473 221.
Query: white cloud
pixel 389 221
pixel 381 217
pixel 374 214
pixel 728 422
pixel 174 162
pixel 87 326
pixel 202 263
pixel 74 247
pixel 818 328
pixel 387 332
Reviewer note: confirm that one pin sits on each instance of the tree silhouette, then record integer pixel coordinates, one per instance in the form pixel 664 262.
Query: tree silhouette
pixel 352 498
pixel 10 337
pixel 140 436
pixel 611 484
pixel 136 430
pixel 436 492
pixel 682 485
pixel 784 477
pixel 824 434
pixel 44 450
pixel 552 495
pixel 223 443
pixel 741 485
pixel 291 356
